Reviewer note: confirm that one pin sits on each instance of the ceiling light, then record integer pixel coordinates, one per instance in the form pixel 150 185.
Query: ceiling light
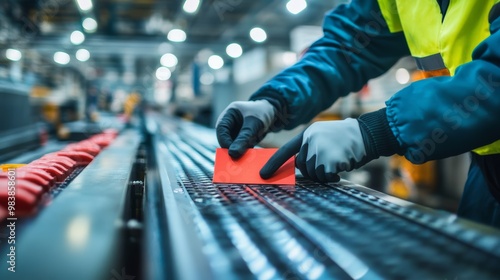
pixel 215 62
pixel 191 6
pixel 165 48
pixel 82 55
pixel 207 78
pixel 176 35
pixel 77 37
pixel 62 58
pixel 296 6
pixel 234 50
pixel 402 76
pixel 163 73
pixel 204 54
pixel 89 24
pixel 289 58
pixel 168 60
pixel 13 54
pixel 84 5
pixel 258 34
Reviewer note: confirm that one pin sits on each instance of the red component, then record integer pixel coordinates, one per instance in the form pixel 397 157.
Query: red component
pixel 81 158
pixel 25 201
pixel 89 143
pixel 3 213
pixel 24 184
pixel 111 131
pixel 102 140
pixel 62 159
pixel 42 173
pixel 67 164
pixel 39 172
pixel 32 187
pixel 58 174
pixel 28 176
pixel 84 146
pixel 59 166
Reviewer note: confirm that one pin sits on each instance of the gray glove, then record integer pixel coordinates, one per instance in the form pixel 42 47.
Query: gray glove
pixel 243 124
pixel 324 149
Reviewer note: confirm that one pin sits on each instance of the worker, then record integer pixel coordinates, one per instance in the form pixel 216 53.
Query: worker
pixel 455 110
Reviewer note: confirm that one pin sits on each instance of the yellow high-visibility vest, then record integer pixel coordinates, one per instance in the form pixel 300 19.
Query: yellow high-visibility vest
pixel 438 44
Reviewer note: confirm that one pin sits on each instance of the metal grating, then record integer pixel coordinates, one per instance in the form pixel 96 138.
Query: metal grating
pixel 319 231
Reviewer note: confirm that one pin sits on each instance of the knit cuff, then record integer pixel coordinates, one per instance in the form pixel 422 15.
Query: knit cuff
pixel 378 137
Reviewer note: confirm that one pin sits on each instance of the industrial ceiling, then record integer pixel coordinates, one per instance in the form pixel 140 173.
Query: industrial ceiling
pixel 135 33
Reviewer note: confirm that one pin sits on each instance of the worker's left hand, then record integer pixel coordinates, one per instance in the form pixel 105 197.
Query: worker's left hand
pixel 324 149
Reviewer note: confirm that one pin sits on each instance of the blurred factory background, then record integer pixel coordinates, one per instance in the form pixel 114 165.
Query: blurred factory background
pixel 67 62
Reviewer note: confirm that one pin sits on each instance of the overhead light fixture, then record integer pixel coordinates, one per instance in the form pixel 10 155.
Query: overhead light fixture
pixel 165 48
pixel 168 60
pixel 89 24
pixel 258 34
pixel 234 50
pixel 289 58
pixel 207 78
pixel 84 5
pixel 296 6
pixel 215 62
pixel 77 37
pixel 191 6
pixel 402 76
pixel 13 54
pixel 176 35
pixel 163 73
pixel 62 58
pixel 82 55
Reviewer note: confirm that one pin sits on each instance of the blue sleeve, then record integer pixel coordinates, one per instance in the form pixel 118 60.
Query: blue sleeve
pixel 445 116
pixel 357 46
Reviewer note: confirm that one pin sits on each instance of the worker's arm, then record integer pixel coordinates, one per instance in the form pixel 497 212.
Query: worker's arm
pixel 430 119
pixel 444 116
pixel 357 46
pixel 359 43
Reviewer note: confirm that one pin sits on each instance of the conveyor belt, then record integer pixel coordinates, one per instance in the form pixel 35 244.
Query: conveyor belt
pixel 306 231
pixel 84 232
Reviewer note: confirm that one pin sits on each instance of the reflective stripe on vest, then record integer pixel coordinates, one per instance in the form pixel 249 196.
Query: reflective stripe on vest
pixel 438 44
pixel 430 63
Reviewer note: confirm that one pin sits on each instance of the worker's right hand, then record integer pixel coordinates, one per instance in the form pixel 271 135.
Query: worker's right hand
pixel 243 124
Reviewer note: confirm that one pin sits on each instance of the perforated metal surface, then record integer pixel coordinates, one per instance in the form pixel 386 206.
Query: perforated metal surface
pixel 313 230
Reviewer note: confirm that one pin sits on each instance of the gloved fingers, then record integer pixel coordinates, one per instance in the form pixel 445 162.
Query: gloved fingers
pixel 228 127
pixel 320 173
pixel 311 168
pixel 326 177
pixel 281 156
pixel 300 161
pixel 249 135
pixel 332 177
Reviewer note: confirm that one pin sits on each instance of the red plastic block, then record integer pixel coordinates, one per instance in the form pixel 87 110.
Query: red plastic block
pixel 28 176
pixel 3 213
pixel 102 140
pixel 42 173
pixel 111 131
pixel 58 174
pixel 81 158
pixel 25 201
pixel 245 170
pixel 28 186
pixel 84 146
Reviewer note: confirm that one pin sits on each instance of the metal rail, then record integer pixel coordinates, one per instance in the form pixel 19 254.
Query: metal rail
pixel 78 235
